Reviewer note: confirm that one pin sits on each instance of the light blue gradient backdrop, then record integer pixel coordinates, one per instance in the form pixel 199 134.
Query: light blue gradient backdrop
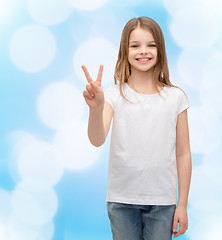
pixel 81 210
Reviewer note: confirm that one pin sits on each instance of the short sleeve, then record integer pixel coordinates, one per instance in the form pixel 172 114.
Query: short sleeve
pixel 110 95
pixel 183 102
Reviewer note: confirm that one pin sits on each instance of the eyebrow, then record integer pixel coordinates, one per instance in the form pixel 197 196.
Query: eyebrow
pixel 137 41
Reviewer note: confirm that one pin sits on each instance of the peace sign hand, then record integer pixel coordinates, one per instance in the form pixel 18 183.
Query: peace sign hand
pixel 93 94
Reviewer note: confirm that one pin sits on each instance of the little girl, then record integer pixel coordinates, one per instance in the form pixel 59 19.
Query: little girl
pixel 149 144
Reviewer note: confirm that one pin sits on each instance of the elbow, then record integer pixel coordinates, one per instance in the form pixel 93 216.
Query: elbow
pixel 96 144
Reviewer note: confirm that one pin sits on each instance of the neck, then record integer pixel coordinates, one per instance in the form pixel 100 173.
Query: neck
pixel 141 80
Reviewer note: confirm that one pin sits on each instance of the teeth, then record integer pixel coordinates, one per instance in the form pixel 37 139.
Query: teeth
pixel 144 59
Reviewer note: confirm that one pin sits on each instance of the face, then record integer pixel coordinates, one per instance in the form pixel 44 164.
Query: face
pixel 142 50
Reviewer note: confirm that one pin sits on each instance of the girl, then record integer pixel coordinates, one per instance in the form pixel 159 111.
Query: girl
pixel 149 144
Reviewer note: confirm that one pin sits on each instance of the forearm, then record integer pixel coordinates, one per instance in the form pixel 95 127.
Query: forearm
pixel 184 170
pixel 96 132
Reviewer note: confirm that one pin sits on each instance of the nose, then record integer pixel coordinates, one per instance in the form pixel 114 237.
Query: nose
pixel 143 50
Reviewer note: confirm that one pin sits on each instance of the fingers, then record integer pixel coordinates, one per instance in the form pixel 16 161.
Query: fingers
pixel 175 221
pixel 87 95
pixel 89 79
pixel 175 225
pixel 182 230
pixel 100 73
pixel 94 87
pixel 90 90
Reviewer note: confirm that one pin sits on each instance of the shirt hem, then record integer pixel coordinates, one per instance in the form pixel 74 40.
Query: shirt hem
pixel 142 202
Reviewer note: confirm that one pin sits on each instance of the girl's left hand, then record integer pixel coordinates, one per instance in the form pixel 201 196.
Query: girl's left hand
pixel 180 216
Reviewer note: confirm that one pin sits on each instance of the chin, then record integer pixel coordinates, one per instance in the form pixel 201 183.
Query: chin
pixel 144 69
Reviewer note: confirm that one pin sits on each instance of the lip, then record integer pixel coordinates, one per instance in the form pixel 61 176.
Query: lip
pixel 144 58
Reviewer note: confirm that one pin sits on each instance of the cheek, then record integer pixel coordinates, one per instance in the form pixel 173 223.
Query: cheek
pixel 156 56
pixel 156 60
pixel 154 52
pixel 130 56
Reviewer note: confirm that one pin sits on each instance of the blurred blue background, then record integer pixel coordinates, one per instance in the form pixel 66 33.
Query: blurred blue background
pixel 52 180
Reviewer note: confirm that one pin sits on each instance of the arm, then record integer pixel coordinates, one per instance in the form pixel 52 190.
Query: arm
pixel 99 124
pixel 183 158
pixel 96 131
pixel 100 112
pixel 184 168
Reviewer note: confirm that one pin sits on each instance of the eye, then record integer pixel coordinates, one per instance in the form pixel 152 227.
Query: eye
pixel 134 46
pixel 152 45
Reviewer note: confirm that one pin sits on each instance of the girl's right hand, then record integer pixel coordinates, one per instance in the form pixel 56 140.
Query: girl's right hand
pixel 93 94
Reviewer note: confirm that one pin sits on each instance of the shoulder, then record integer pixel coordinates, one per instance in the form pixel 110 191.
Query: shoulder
pixel 177 91
pixel 180 98
pixel 113 87
pixel 111 94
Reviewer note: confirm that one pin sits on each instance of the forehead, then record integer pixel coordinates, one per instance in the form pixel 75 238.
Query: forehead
pixel 139 34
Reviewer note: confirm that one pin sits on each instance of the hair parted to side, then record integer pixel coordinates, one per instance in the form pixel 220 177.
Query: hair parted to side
pixel 123 69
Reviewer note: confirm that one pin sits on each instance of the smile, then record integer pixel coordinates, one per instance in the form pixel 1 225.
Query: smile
pixel 143 60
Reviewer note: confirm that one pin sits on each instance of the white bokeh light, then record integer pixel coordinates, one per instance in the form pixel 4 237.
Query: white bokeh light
pixel 214 6
pixel 18 140
pixel 2 231
pixel 205 201
pixel 50 12
pixel 92 53
pixel 60 104
pixel 87 5
pixel 200 29
pixel 6 7
pixel 32 48
pixel 173 6
pixel 5 206
pixel 205 128
pixel 128 3
pixel 34 208
pixel 210 93
pixel 105 23
pixel 213 172
pixel 15 229
pixel 46 232
pixel 73 147
pixel 35 163
pixel 213 154
pixel 208 222
pixel 213 230
pixel 191 63
pixel 200 185
pixel 210 78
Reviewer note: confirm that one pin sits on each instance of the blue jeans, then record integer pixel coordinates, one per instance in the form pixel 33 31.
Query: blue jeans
pixel 141 222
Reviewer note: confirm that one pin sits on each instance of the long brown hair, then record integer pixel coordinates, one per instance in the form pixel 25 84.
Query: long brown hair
pixel 123 68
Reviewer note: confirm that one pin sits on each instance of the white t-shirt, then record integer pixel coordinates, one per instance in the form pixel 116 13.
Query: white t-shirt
pixel 142 161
